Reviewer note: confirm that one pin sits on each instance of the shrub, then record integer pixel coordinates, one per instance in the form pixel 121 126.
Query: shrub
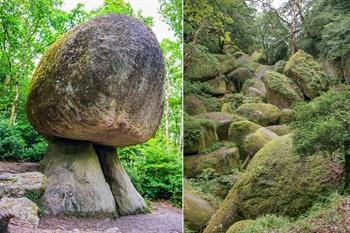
pixel 155 169
pixel 20 142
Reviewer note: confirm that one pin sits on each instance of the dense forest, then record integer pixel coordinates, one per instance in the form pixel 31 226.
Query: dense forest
pixel 28 28
pixel 266 116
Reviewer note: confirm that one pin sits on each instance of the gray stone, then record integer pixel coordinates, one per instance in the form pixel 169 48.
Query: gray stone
pixel 14 185
pixel 128 200
pixel 101 82
pixel 75 181
pixel 22 208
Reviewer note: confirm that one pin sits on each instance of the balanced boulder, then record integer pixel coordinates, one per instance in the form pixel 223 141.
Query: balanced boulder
pixel 101 82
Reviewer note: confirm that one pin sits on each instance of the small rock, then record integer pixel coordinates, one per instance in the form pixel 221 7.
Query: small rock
pixel 22 208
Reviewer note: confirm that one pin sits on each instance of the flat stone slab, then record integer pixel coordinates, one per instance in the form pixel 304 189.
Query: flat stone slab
pixel 16 185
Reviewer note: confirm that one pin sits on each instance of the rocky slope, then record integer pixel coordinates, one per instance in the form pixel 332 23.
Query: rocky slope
pixel 238 150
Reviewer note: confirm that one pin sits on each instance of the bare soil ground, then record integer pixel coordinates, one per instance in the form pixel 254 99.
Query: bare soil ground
pixel 163 218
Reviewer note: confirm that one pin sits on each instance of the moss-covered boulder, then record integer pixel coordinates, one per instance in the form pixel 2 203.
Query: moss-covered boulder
pixel 260 113
pixel 223 122
pixel 239 131
pixel 220 161
pixel 280 130
pixel 238 77
pixel 279 66
pixel 257 140
pixel 205 66
pixel 218 85
pixel 254 87
pixel 198 134
pixel 197 211
pixel 307 74
pixel 277 181
pixel 281 90
pixel 238 226
pixel 212 104
pixel 246 61
pixel 193 105
pixel 287 116
pixel 102 81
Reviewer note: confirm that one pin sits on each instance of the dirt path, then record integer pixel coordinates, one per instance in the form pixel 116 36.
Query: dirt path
pixel 163 218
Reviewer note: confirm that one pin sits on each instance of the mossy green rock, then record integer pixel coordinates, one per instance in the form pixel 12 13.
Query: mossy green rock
pixel 102 81
pixel 238 77
pixel 239 131
pixel 280 130
pixel 277 181
pixel 307 74
pixel 281 91
pixel 221 161
pixel 279 66
pixel 218 85
pixel 238 226
pixel 257 140
pixel 198 134
pixel 254 87
pixel 193 105
pixel 223 122
pixel 197 211
pixel 204 67
pixel 260 113
pixel 287 116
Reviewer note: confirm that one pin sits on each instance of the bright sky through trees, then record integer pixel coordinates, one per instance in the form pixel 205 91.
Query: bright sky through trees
pixel 148 7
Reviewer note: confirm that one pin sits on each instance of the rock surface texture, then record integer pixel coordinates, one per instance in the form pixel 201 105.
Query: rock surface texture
pixel 101 82
pixel 75 181
pixel 128 200
pixel 13 185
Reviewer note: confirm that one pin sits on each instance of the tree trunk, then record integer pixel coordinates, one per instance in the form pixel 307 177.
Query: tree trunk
pixel 167 117
pixel 13 115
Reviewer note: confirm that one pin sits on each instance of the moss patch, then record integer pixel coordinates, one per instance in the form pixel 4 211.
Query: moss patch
pixel 307 73
pixel 260 113
pixel 281 90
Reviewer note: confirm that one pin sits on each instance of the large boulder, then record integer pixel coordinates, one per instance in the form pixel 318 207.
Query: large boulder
pixel 277 181
pixel 128 200
pixel 280 130
pixel 217 85
pixel 14 185
pixel 260 113
pixel 198 134
pixel 238 77
pixel 238 226
pixel 75 180
pixel 307 74
pixel 221 161
pixel 257 140
pixel 102 82
pixel 203 67
pixel 281 90
pixel 197 211
pixel 193 105
pixel 239 131
pixel 223 121
pixel 22 208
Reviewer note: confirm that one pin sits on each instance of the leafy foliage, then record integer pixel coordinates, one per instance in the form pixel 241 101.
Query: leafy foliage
pixel 155 169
